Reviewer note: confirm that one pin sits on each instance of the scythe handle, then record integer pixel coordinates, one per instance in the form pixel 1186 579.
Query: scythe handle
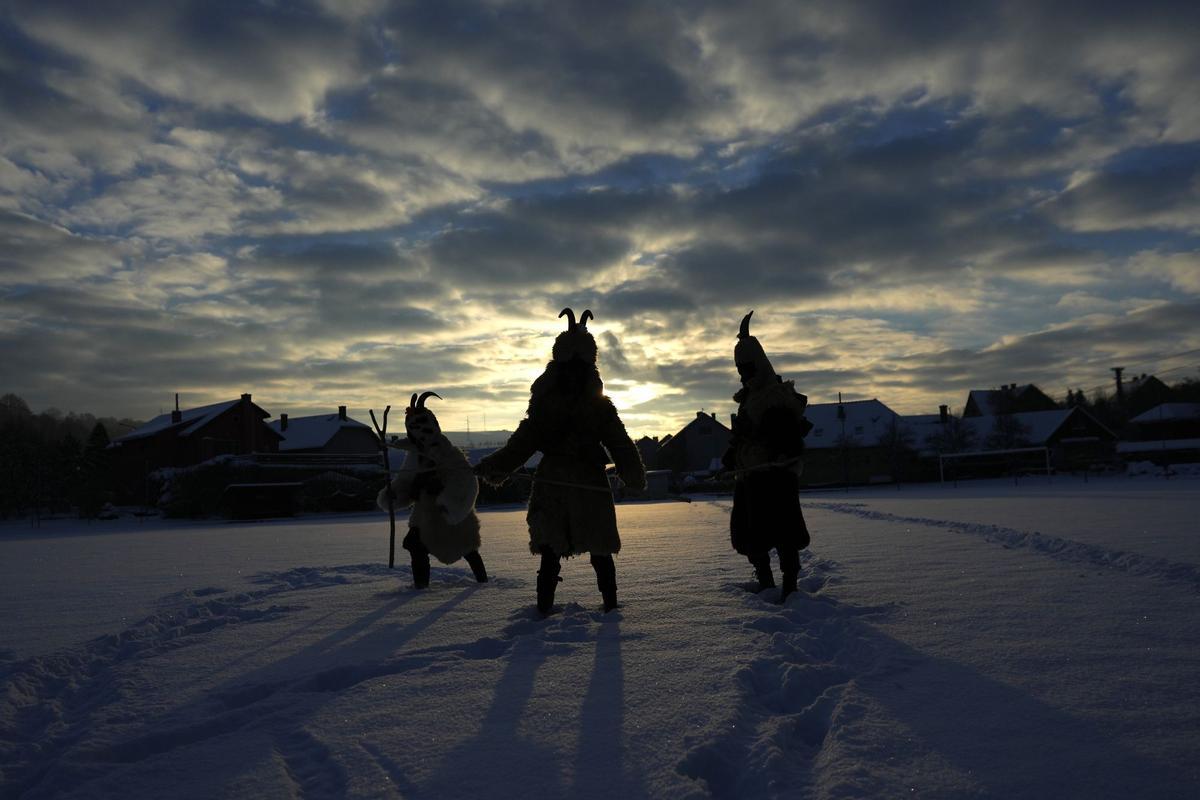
pixel 387 469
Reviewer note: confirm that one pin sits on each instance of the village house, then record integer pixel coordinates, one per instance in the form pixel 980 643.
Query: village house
pixel 854 442
pixel 325 434
pixel 1008 399
pixel 696 449
pixel 996 444
pixel 1143 393
pixel 1169 433
pixel 185 437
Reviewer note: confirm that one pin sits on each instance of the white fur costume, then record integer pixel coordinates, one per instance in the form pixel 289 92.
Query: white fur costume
pixel 443 500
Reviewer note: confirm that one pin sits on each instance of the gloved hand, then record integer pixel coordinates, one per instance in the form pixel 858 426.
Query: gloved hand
pixel 488 476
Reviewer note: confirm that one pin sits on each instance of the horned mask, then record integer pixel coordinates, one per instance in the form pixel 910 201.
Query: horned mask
pixel 420 423
pixel 575 342
pixel 751 360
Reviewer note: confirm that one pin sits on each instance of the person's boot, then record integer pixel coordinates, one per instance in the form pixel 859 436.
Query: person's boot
pixel 420 558
pixel 606 580
pixel 787 587
pixel 547 582
pixel 475 561
pixel 789 565
pixel 420 571
pixel 762 570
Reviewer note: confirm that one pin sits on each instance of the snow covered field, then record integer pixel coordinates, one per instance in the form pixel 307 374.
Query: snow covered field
pixel 980 641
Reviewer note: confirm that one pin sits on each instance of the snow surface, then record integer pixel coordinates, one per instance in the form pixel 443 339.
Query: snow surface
pixel 988 640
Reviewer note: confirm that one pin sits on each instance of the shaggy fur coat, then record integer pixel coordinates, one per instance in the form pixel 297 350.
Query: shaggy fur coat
pixel 437 481
pixel 769 429
pixel 572 423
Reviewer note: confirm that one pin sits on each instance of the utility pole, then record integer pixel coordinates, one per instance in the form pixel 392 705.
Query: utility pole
pixel 1120 387
pixel 841 413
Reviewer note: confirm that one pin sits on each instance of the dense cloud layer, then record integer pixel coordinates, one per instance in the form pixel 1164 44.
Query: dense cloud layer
pixel 341 203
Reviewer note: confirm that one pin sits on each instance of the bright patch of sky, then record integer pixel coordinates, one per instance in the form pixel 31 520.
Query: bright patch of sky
pixel 340 204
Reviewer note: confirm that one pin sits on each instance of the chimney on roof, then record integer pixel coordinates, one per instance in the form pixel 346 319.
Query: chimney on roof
pixel 282 423
pixel 176 415
pixel 943 414
pixel 1120 386
pixel 342 413
pixel 246 398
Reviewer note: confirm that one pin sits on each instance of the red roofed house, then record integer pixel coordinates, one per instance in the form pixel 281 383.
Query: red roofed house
pixel 191 436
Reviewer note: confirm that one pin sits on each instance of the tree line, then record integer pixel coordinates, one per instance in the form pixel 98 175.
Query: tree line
pixel 52 463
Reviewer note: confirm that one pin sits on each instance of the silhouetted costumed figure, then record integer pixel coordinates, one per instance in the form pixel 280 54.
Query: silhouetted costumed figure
pixel 437 481
pixel 572 423
pixel 765 449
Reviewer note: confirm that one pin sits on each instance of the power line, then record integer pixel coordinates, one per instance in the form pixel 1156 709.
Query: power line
pixel 1157 373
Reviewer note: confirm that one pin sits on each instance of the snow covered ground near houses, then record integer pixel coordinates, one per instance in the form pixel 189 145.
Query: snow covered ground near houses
pixel 988 640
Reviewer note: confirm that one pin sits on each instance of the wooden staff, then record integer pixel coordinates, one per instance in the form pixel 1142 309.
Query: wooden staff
pixel 387 468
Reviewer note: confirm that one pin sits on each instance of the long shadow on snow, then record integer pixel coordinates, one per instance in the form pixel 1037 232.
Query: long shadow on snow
pixel 274 699
pixel 499 756
pixel 599 763
pixel 1012 743
pixel 822 660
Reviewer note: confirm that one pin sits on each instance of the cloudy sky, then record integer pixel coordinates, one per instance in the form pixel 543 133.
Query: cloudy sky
pixel 341 203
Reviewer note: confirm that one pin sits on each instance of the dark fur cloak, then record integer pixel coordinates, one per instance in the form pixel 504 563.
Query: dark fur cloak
pixel 766 448
pixel 576 428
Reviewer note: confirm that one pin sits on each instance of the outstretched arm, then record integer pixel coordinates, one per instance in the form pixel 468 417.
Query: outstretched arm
pixel 623 451
pixel 520 447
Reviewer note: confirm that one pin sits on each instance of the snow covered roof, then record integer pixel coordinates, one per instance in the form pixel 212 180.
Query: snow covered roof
pixel 1037 426
pixel 996 401
pixel 867 421
pixel 192 420
pixel 308 433
pixel 701 423
pixel 1168 412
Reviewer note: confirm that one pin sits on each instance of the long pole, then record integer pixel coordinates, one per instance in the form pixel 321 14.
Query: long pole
pixel 387 468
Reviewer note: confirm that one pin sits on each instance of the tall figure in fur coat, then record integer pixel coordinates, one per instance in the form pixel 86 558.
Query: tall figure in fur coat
pixel 768 439
pixel 437 481
pixel 572 423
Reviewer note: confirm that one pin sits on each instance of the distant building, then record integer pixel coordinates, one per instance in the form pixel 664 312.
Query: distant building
pixel 697 448
pixel 1010 399
pixel 325 434
pixel 1074 438
pixel 190 436
pixel 1168 421
pixel 1169 433
pixel 855 442
pixel 648 448
pixel 1144 392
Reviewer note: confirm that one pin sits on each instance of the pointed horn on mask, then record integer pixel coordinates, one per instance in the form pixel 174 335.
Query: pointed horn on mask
pixel 570 318
pixel 424 396
pixel 744 331
pixel 583 318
